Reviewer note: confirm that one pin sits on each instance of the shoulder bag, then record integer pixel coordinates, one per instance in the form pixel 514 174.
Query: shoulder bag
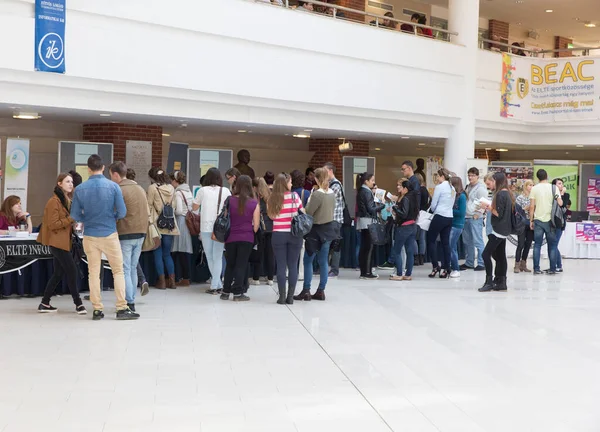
pixel 301 223
pixel 558 213
pixel 166 218
pixel 192 220
pixel 424 219
pixel 378 233
pixel 222 226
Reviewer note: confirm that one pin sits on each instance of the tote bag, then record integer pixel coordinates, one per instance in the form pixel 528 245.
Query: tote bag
pixel 424 220
pixel 152 240
pixel 378 233
pixel 301 223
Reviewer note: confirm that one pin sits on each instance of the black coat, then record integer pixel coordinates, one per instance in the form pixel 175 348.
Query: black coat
pixel 366 206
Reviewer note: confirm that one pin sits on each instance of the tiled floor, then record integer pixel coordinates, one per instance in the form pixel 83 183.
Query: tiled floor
pixel 420 356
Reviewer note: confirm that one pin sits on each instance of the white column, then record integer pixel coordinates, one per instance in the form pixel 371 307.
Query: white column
pixel 460 146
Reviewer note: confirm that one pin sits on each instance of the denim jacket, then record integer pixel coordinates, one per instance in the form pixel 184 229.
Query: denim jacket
pixel 98 203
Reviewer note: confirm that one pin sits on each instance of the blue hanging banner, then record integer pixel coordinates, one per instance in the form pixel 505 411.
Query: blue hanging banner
pixel 50 18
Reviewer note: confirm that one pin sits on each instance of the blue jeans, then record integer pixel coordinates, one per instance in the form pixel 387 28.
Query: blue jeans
pixel 559 234
pixel 473 239
pixel 131 249
pixel 454 236
pixel 421 242
pixel 214 256
pixel 162 256
pixel 392 258
pixel 541 229
pixel 405 237
pixel 322 259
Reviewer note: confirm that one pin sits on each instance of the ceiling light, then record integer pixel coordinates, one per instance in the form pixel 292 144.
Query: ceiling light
pixel 566 152
pixel 242 131
pixel 26 116
pixel 579 145
pixel 549 11
pixel 519 23
pixel 488 148
pixel 377 148
pixel 590 25
pixel 502 150
pixel 519 1
pixel 301 136
pixel 342 138
pixel 166 135
pixel 404 137
pixel 577 19
pixel 104 115
pixel 307 130
pixel 482 143
pixel 422 144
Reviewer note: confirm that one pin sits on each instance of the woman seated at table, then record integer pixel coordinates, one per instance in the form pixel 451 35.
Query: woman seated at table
pixel 12 215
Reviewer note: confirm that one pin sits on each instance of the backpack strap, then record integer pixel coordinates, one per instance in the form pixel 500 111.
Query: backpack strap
pixel 219 202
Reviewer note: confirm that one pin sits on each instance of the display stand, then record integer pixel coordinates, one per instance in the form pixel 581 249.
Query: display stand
pixel 73 155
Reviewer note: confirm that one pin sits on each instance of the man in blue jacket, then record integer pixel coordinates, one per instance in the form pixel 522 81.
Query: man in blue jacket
pixel 98 203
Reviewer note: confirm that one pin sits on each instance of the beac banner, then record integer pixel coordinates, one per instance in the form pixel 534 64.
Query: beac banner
pixel 50 16
pixel 549 90
pixel 568 171
pixel 16 169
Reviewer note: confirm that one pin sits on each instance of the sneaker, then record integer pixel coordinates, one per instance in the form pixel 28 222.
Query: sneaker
pixel 131 306
pixel 537 272
pixel 551 273
pixel 396 277
pixel 386 266
pixel 241 298
pixel 224 296
pixel 254 282
pixel 81 310
pixel 145 288
pixel 127 314
pixel 270 282
pixel 262 278
pixel 479 268
pixel 455 274
pixel 465 267
pixel 213 291
pixel 42 308
pixel 331 275
pixel 369 277
pixel 98 315
pixel 559 270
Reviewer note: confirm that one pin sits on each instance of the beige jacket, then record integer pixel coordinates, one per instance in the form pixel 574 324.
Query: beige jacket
pixel 135 223
pixel 167 193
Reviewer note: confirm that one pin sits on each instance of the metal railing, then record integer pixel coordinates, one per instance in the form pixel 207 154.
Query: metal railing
pixel 339 12
pixel 495 45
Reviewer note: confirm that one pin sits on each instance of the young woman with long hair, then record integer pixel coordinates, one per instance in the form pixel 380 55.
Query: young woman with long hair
pixel 459 214
pixel 160 192
pixel 210 200
pixel 282 206
pixel 441 224
pixel 405 230
pixel 321 206
pixel 265 246
pixel 56 230
pixel 13 215
pixel 244 214
pixel 182 244
pixel 367 210
pixel 501 209
pixel 526 238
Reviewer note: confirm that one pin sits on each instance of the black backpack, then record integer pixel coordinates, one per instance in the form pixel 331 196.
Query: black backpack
pixel 558 213
pixel 519 220
pixel 166 218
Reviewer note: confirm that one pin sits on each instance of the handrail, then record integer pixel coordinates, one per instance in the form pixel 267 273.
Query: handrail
pixel 536 51
pixel 378 18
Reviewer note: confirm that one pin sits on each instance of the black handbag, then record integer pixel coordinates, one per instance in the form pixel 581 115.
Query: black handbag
pixel 378 233
pixel 222 226
pixel 558 213
pixel 301 223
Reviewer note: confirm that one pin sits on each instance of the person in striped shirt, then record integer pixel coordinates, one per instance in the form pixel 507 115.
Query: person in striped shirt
pixel 282 206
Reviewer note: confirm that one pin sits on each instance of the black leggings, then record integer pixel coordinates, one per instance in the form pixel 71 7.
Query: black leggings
pixel 238 255
pixel 495 248
pixel 443 226
pixel 184 262
pixel 364 254
pixel 64 264
pixel 265 252
pixel 525 241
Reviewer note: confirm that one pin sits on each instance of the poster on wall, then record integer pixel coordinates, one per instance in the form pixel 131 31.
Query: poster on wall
pixel 50 17
pixel 593 189
pixel 16 169
pixel 593 206
pixel 515 174
pixel 138 156
pixel 434 163
pixel 549 90
pixel 568 171
pixel 587 233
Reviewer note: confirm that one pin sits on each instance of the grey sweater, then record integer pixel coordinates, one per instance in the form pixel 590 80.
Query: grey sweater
pixel 320 206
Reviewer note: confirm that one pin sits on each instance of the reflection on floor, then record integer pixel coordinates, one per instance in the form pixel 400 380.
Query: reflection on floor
pixel 420 356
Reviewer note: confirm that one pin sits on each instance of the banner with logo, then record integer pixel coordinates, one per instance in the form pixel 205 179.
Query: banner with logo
pixel 17 254
pixel 549 90
pixel 16 169
pixel 568 171
pixel 50 16
pixel 587 233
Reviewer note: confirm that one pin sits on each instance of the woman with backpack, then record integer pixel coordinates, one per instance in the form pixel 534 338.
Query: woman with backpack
pixel 161 198
pixel 182 245
pixel 501 209
pixel 459 214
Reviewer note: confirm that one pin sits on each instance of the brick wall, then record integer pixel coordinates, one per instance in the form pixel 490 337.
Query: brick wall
pixel 498 31
pixel 352 4
pixel 327 150
pixel 490 155
pixel 119 133
pixel 562 43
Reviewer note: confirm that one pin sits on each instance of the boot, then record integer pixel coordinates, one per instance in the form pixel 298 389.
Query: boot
pixel 290 296
pixel 304 295
pixel 500 284
pixel 523 267
pixel 319 295
pixel 171 282
pixel 281 295
pixel 488 286
pixel 421 259
pixel 417 262
pixel 160 283
pixel 517 267
pixel 183 283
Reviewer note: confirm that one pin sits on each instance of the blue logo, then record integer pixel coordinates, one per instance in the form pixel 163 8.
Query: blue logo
pixel 51 50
